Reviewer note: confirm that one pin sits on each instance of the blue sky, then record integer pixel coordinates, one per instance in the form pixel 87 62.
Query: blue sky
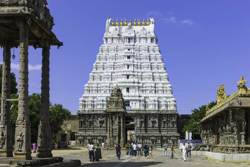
pixel 203 43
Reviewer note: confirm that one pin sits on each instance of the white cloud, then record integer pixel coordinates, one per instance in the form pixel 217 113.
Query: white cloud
pixel 170 18
pixel 36 67
pixel 187 22
pixel 14 66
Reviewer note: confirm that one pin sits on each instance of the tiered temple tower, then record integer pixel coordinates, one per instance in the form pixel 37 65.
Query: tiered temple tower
pixel 130 59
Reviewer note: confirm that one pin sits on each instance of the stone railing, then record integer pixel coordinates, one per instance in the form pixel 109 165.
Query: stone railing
pixel 231 148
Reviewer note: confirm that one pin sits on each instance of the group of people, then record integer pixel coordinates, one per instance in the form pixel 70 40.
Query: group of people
pixel 169 150
pixel 186 149
pixel 137 149
pixel 95 153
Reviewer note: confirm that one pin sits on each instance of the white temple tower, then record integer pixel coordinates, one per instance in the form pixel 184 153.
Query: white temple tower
pixel 130 58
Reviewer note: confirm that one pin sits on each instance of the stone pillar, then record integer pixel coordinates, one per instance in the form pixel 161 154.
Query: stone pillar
pixel 5 127
pixel 122 131
pixel 116 119
pixel 243 124
pixel 44 130
pixel 109 135
pixel 22 135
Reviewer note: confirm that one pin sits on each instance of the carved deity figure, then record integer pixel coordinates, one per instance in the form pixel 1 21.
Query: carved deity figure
pixel 235 130
pixel 242 88
pixel 154 123
pixel 116 100
pixel 2 140
pixel 141 122
pixel 228 128
pixel 20 141
pixel 101 123
pixel 220 130
pixel 221 94
pixel 243 142
pixel 244 126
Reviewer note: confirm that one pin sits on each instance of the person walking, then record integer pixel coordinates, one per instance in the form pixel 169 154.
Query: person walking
pixel 134 149
pixel 98 153
pixel 131 153
pixel 172 152
pixel 189 149
pixel 118 151
pixel 34 147
pixel 139 149
pixel 146 150
pixel 151 151
pixel 90 148
pixel 165 152
pixel 127 147
pixel 184 151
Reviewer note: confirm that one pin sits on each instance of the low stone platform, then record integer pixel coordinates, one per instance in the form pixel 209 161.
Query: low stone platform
pixel 232 157
pixel 39 162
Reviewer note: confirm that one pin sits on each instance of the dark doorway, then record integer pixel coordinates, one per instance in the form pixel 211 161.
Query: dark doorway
pixel 130 129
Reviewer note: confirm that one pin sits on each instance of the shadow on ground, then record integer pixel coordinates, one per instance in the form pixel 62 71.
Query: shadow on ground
pixel 68 148
pixel 121 164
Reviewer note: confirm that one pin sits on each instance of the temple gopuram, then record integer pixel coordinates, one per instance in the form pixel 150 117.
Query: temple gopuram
pixel 129 59
pixel 226 126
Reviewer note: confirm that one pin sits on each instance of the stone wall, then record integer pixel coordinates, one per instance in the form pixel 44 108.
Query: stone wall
pixel 222 156
pixel 227 130
pixel 156 129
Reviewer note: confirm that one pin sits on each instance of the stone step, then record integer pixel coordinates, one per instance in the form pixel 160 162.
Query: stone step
pixel 6 161
pixel 4 165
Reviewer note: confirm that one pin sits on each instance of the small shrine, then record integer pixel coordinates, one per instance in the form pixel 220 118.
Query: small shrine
pixel 115 115
pixel 226 126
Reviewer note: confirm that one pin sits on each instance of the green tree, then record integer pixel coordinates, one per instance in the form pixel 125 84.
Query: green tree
pixel 34 105
pixel 193 124
pixel 57 115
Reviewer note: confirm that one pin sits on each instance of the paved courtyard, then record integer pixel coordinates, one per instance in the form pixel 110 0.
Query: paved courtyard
pixel 157 160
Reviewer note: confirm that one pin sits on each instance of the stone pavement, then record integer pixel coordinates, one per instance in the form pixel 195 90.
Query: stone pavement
pixel 157 160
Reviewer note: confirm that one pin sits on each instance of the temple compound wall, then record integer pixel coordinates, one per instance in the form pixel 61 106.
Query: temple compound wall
pixel 129 59
pixel 226 126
